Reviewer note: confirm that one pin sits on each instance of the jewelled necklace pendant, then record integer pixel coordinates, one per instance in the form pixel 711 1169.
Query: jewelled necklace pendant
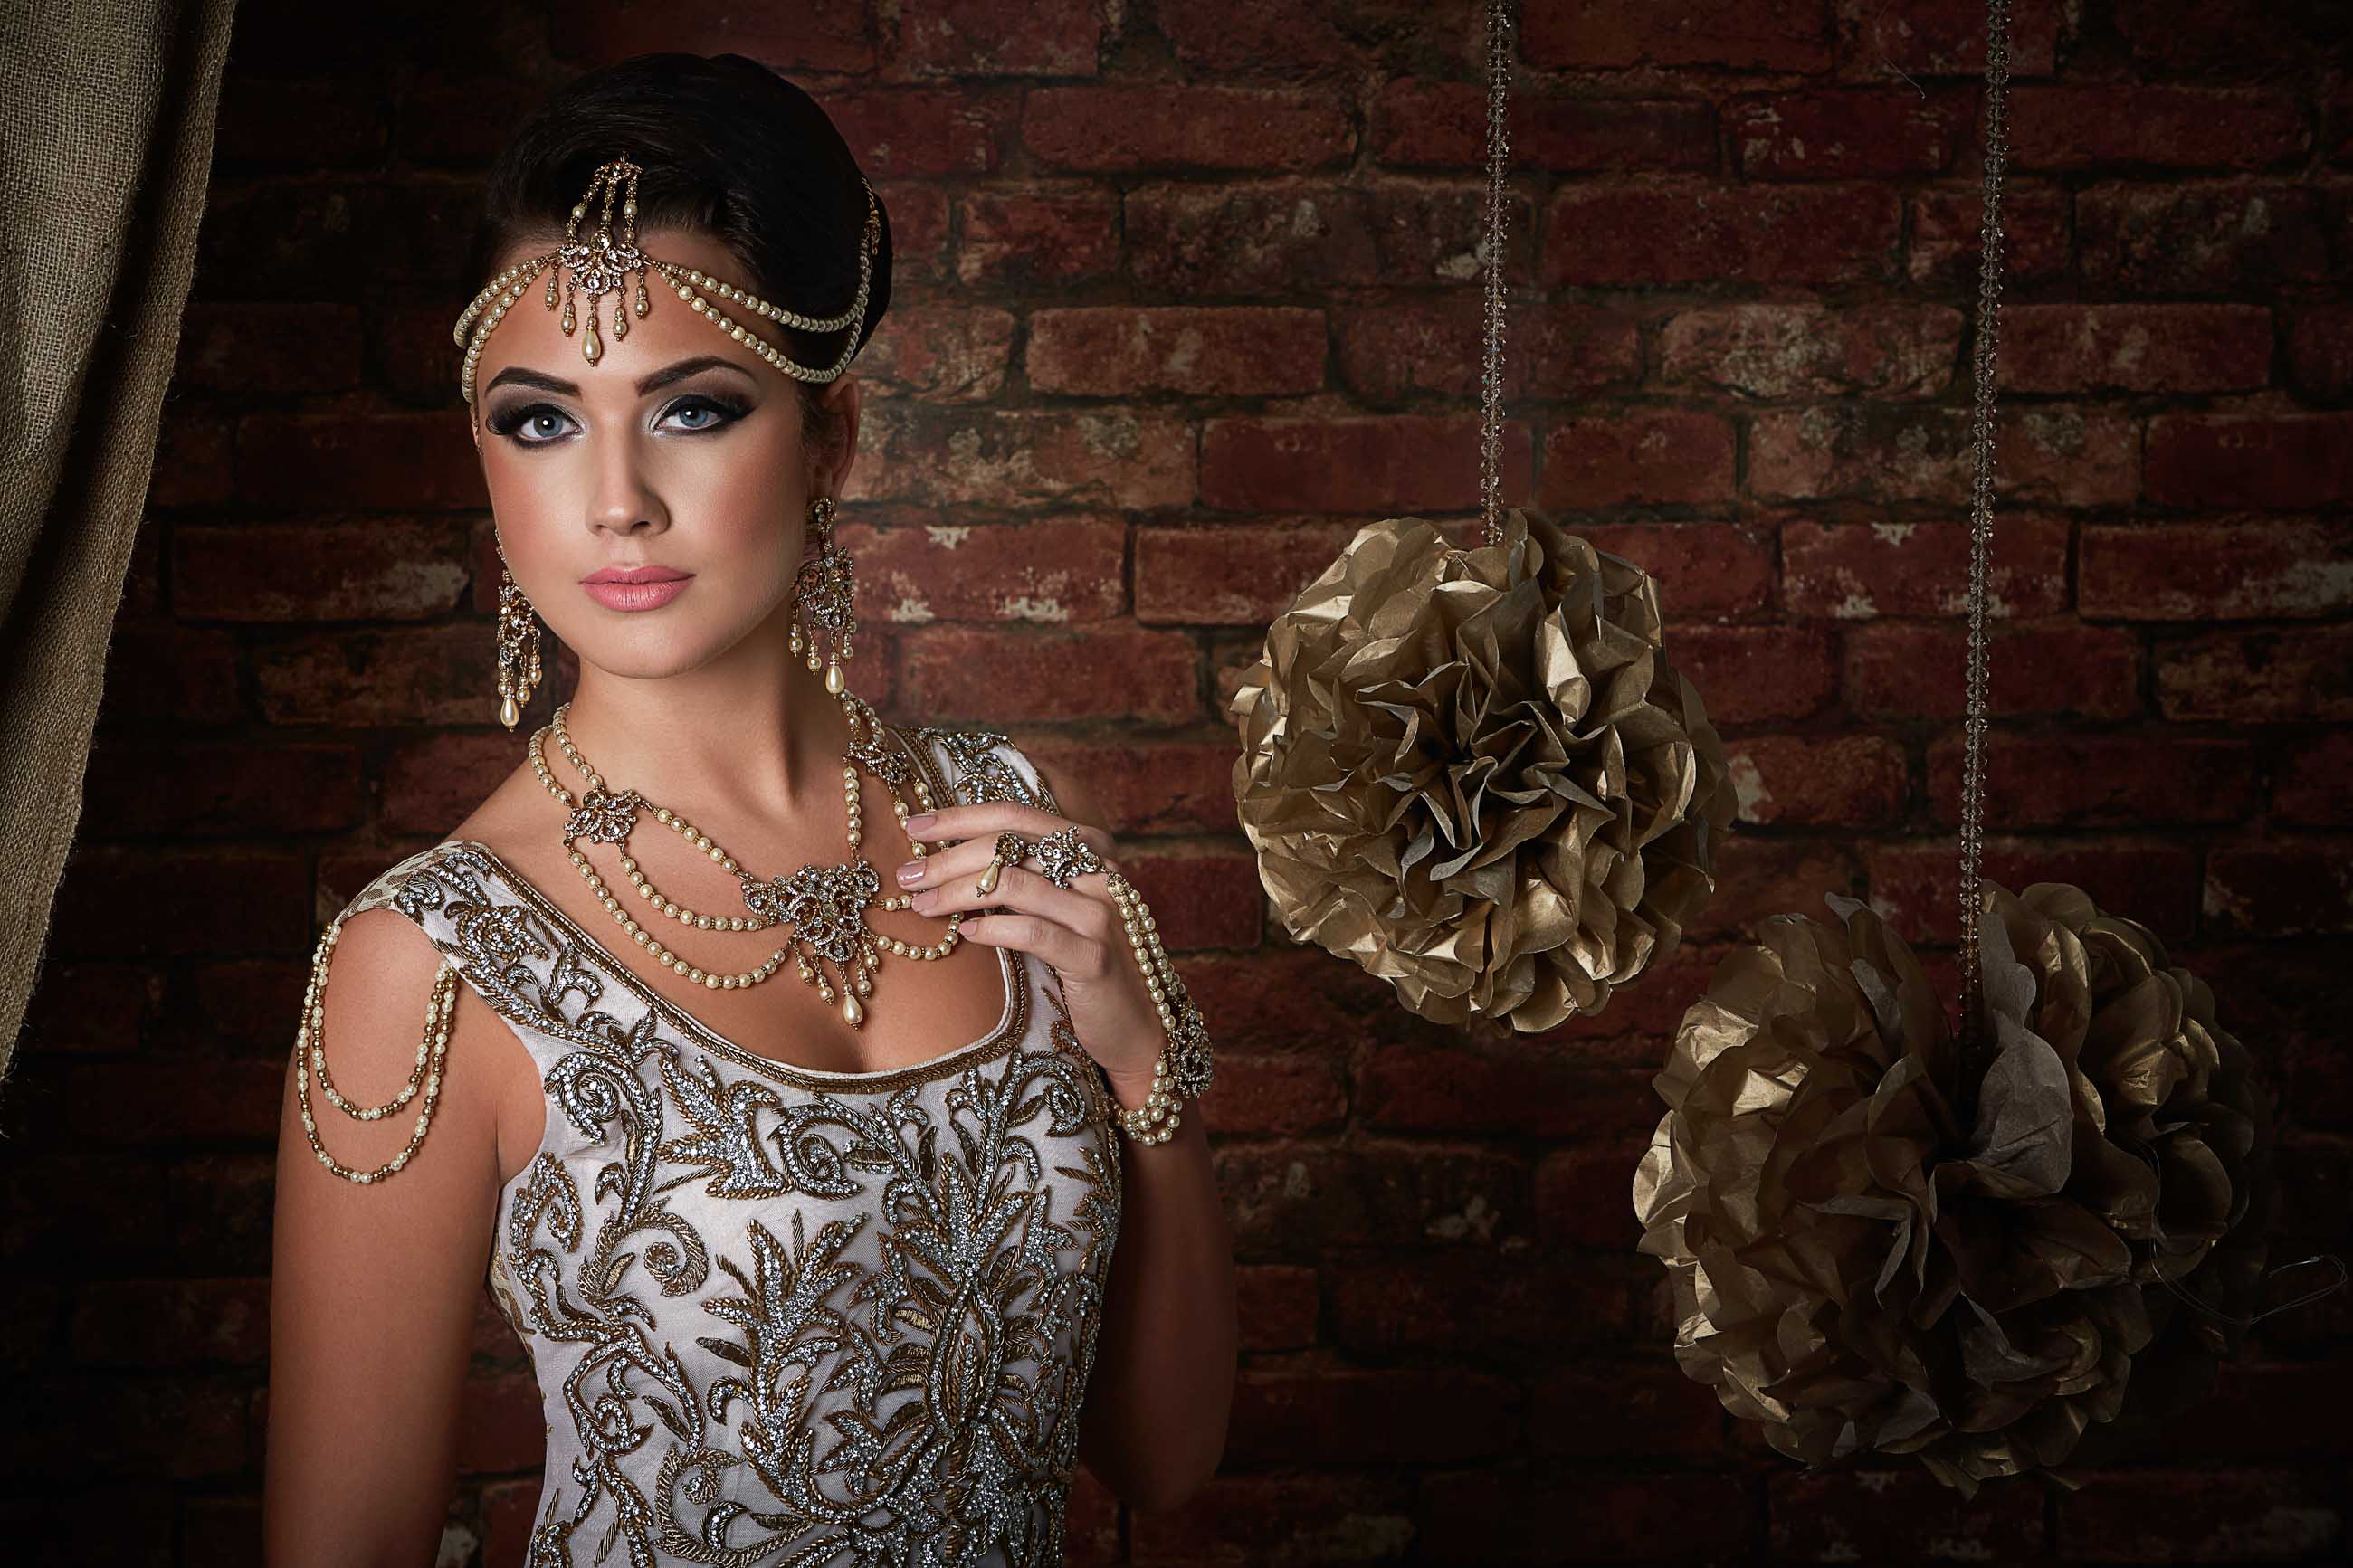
pixel 825 907
pixel 604 816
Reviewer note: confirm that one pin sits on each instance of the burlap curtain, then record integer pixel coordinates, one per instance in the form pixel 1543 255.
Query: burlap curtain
pixel 106 143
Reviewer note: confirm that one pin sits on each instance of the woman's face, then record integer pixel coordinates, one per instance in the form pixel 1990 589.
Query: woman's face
pixel 629 463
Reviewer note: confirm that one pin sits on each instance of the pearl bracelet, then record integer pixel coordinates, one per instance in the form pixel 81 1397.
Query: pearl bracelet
pixel 1184 1068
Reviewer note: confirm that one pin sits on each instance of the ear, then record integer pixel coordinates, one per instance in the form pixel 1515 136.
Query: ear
pixel 840 401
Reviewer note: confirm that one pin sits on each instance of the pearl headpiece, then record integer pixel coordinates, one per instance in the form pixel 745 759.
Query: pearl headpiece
pixel 602 263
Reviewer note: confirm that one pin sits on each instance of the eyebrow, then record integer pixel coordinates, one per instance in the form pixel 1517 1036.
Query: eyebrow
pixel 518 376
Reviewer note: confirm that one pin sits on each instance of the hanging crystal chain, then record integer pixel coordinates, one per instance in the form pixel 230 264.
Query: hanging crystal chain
pixel 1491 383
pixel 1989 239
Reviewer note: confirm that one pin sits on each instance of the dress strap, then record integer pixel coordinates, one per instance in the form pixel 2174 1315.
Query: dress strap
pixel 980 767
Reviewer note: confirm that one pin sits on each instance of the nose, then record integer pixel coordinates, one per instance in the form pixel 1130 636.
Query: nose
pixel 625 500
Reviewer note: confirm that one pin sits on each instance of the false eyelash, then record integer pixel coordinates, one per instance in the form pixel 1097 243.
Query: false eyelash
pixel 507 421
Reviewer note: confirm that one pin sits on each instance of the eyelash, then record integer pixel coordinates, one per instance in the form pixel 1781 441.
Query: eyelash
pixel 508 421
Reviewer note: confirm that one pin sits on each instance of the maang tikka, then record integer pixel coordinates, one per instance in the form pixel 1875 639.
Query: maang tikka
pixel 600 265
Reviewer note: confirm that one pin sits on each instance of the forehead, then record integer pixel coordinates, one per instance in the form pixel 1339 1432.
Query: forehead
pixel 532 335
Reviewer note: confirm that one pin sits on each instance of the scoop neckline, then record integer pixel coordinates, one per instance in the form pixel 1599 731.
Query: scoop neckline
pixel 1010 1017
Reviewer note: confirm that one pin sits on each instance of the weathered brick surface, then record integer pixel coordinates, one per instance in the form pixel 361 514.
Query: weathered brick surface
pixel 1183 296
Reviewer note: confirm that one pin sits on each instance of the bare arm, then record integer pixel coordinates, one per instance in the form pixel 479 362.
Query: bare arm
pixel 1154 1424
pixel 373 1286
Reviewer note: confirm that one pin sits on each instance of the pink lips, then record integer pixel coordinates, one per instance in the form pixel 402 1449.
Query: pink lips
pixel 637 589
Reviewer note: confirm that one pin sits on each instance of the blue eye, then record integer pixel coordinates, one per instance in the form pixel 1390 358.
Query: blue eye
pixel 508 422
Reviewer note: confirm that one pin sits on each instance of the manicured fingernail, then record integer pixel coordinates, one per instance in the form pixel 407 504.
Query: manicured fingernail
pixel 925 900
pixel 918 825
pixel 911 873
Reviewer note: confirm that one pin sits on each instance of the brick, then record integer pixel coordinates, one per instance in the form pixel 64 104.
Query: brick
pixel 1921 671
pixel 185 1099
pixel 1294 1202
pixel 1276 1306
pixel 1202 897
pixel 1280 37
pixel 2203 1516
pixel 91 1009
pixel 1304 1519
pixel 221 1531
pixel 1654 1410
pixel 1943 37
pixel 2202 237
pixel 1145 125
pixel 2215 570
pixel 1750 675
pixel 2050 454
pixel 1232 576
pixel 970 38
pixel 372 568
pixel 138 1530
pixel 1646 233
pixel 2286 887
pixel 941 353
pixel 1120 352
pixel 299 237
pixel 1514 1090
pixel 315 120
pixel 917 214
pixel 2135 348
pixel 2069 125
pixel 2169 37
pixel 1585 1195
pixel 410 461
pixel 1917 885
pixel 2308 785
pixel 108 1211
pixel 219 790
pixel 1706 570
pixel 460 116
pixel 1148 787
pixel 2252 460
pixel 1292 998
pixel 171 1322
pixel 1041 237
pixel 2100 781
pixel 1838 780
pixel 1278 1096
pixel 1550 1304
pixel 1845 135
pixel 1900 1513
pixel 1053 571
pixel 2298 676
pixel 1638 456
pixel 1407 1416
pixel 431 674
pixel 1799 350
pixel 435 782
pixel 945 456
pixel 2037 234
pixel 150 1430
pixel 501 1427
pixel 1111 671
pixel 921 132
pixel 1291 236
pixel 251 349
pixel 1487 1516
pixel 1395 466
pixel 1440 124
pixel 1714 33
pixel 1862 571
pixel 194 463
pixel 1408 342
pixel 154 900
pixel 218 1209
pixel 2318 366
pixel 822 37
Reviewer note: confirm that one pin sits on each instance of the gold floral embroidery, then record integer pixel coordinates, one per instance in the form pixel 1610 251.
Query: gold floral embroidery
pixel 782 1317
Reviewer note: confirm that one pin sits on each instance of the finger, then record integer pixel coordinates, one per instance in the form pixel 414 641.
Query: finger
pixel 984 822
pixel 1026 892
pixel 1064 949
pixel 967 856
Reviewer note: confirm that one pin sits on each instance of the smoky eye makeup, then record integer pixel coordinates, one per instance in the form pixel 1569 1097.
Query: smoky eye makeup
pixel 529 421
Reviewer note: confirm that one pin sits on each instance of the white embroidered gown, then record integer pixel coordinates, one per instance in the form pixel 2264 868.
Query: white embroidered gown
pixel 779 1317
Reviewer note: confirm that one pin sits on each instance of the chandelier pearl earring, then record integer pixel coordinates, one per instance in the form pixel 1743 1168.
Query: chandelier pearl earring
pixel 824 600
pixel 518 648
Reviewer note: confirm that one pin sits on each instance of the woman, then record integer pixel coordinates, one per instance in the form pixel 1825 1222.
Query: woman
pixel 818 1271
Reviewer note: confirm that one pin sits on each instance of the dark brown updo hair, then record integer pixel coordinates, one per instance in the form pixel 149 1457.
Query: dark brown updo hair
pixel 729 149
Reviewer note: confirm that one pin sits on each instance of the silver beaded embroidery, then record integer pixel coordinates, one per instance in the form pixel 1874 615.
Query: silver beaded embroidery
pixel 779 1317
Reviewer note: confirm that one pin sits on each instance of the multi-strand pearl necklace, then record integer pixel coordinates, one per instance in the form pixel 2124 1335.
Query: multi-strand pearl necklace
pixel 825 906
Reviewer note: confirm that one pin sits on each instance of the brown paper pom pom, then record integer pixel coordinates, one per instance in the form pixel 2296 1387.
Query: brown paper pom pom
pixel 1475 774
pixel 1858 1266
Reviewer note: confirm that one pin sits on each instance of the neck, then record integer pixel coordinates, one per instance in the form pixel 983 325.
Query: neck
pixel 748 747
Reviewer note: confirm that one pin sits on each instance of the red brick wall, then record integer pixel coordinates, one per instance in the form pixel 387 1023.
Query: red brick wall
pixel 1185 290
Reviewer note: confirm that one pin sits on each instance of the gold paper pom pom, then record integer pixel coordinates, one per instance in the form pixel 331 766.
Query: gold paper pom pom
pixel 1868 1253
pixel 1475 774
